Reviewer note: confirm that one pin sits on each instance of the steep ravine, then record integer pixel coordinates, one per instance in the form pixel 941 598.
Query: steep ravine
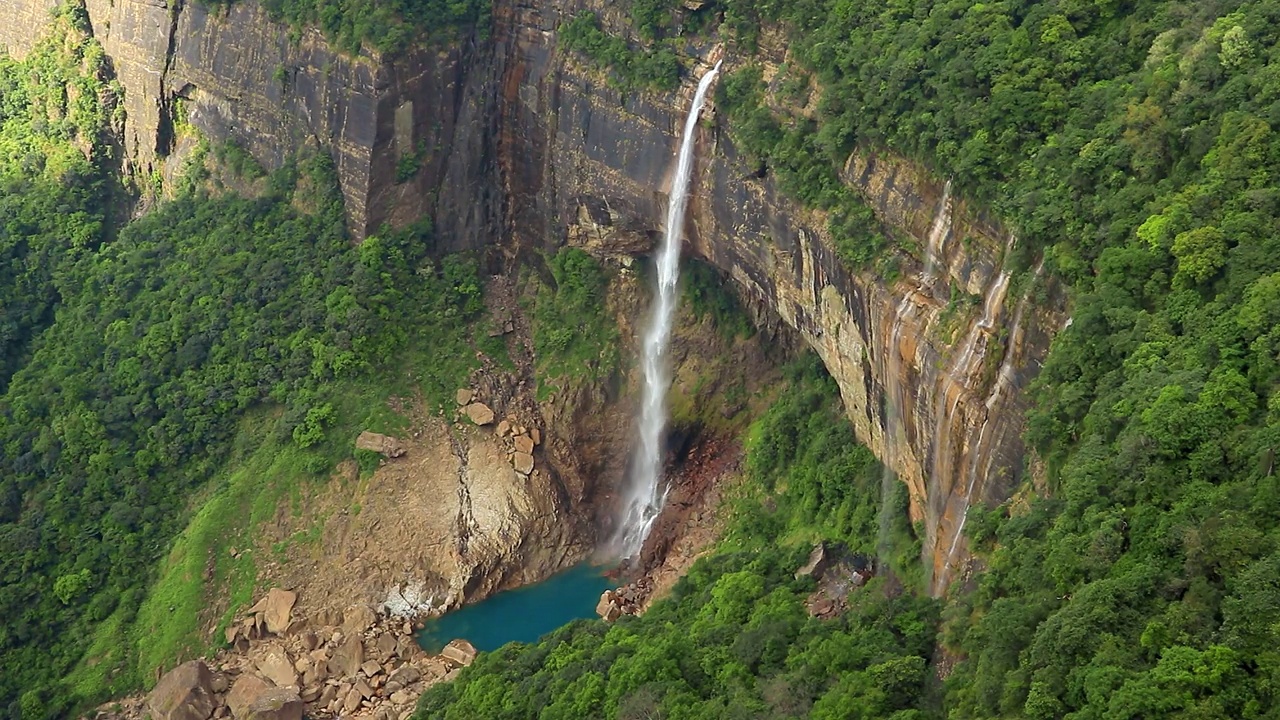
pixel 528 148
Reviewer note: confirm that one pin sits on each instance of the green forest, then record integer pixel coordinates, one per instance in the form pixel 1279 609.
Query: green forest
pixel 223 347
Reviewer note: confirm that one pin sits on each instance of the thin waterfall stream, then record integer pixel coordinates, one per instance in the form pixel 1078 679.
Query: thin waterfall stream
pixel 646 490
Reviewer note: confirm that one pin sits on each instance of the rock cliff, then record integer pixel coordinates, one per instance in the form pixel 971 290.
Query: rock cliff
pixel 523 146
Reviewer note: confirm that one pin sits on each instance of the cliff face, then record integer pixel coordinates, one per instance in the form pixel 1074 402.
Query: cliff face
pixel 934 386
pixel 523 145
pixel 244 78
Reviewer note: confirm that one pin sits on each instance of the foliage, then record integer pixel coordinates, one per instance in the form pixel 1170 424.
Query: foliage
pixel 194 315
pixel 389 26
pixel 733 640
pixel 633 68
pixel 573 334
pixel 1131 145
pixel 707 294
pixel 806 166
pixel 56 112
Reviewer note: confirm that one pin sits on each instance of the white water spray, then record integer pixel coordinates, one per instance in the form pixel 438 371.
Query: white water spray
pixel 647 491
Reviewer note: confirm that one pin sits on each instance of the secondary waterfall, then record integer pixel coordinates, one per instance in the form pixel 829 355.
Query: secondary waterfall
pixel 646 490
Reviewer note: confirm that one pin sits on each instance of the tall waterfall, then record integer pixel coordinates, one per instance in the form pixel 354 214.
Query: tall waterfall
pixel 646 490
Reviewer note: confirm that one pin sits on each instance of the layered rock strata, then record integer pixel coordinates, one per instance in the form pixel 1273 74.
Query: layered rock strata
pixel 529 147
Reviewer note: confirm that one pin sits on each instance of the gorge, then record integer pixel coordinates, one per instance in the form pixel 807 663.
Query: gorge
pixel 520 111
pixel 281 308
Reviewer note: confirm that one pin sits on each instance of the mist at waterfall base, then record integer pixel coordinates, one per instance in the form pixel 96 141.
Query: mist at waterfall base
pixel 646 487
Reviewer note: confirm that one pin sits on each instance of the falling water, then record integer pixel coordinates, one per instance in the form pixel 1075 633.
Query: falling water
pixel 938 233
pixel 647 491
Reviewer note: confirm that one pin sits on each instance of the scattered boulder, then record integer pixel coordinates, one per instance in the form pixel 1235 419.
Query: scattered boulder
pixel 274 665
pixel 459 652
pixel 349 656
pixel 352 701
pixel 406 675
pixel 276 704
pixel 524 444
pixel 247 688
pixel 386 645
pixel 816 563
pixel 479 413
pixel 464 396
pixel 608 607
pixel 536 435
pixel 358 619
pixel 275 608
pixel 383 444
pixel 184 693
pixel 523 463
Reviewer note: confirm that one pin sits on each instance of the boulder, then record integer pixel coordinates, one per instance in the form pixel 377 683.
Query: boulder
pixel 363 688
pixel 406 675
pixel 246 689
pixel 274 665
pixel 524 444
pixel 348 657
pixel 816 563
pixel 358 619
pixel 383 444
pixel 275 608
pixel 464 396
pixel 523 463
pixel 352 701
pixel 387 645
pixel 459 652
pixel 184 693
pixel 371 668
pixel 276 704
pixel 504 428
pixel 479 413
pixel 536 435
pixel 608 607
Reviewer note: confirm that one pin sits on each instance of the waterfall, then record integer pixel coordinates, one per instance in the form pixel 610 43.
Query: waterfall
pixel 646 490
pixel 938 233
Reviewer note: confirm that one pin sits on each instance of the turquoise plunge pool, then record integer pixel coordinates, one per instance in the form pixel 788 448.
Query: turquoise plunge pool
pixel 521 615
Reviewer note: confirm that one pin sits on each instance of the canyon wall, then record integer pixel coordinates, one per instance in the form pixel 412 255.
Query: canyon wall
pixel 246 79
pixel 525 147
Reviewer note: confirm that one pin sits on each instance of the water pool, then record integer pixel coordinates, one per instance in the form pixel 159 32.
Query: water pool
pixel 521 615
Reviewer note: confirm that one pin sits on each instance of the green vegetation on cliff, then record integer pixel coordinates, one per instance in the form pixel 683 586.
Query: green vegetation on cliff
pixel 131 361
pixel 1131 145
pixel 56 113
pixel 388 26
pixel 733 640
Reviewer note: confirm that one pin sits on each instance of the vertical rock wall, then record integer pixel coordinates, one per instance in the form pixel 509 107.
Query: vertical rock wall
pixel 249 80
pixel 526 146
pixel 933 385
